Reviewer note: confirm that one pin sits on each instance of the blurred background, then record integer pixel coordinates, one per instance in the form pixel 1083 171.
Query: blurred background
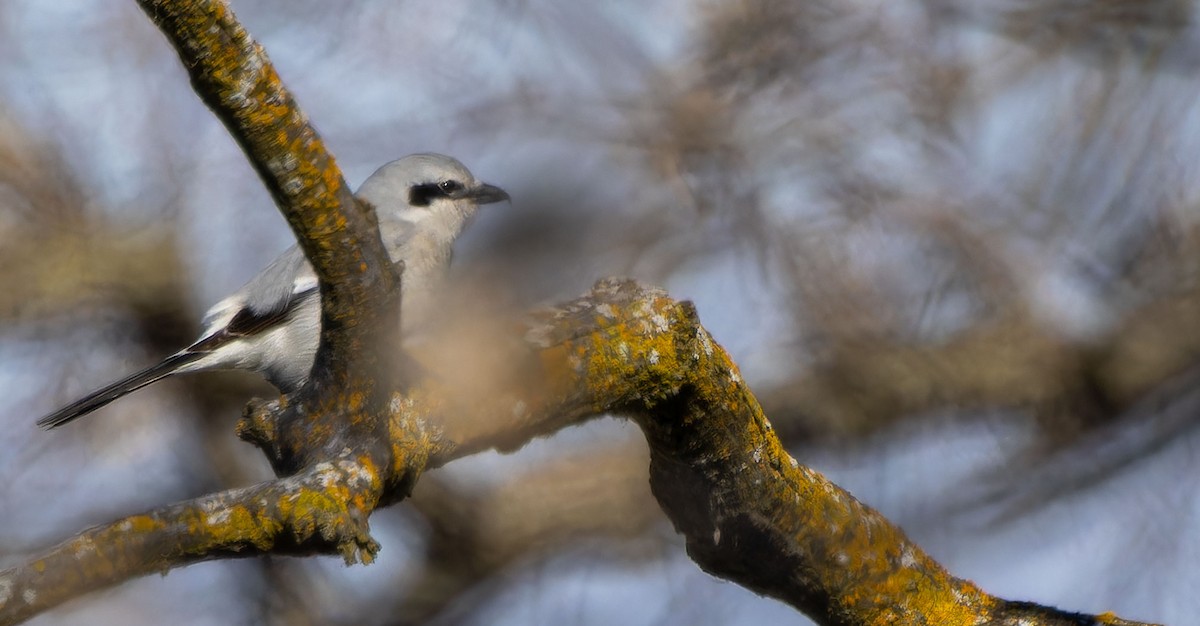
pixel 954 247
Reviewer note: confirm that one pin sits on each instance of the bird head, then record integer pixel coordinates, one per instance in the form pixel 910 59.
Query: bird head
pixel 428 189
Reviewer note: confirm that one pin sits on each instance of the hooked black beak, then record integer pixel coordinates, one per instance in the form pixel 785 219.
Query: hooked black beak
pixel 488 194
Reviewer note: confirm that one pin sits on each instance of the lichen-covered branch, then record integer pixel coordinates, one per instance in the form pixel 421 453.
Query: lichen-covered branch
pixel 233 76
pixel 320 511
pixel 342 409
pixel 749 511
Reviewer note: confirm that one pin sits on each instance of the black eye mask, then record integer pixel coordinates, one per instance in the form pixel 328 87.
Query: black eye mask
pixel 423 194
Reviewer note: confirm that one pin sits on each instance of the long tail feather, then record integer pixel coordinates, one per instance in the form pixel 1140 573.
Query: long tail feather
pixel 105 395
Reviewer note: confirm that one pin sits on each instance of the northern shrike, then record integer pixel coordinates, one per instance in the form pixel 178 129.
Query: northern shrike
pixel 272 325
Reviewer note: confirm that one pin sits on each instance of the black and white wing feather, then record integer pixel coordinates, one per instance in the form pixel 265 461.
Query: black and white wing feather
pixel 269 299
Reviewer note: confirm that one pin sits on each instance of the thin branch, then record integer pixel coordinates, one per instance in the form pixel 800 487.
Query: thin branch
pixel 294 515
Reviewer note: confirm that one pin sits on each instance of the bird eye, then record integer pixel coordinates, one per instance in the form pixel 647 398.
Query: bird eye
pixel 424 193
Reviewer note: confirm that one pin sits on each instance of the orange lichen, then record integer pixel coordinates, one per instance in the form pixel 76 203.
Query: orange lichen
pixel 142 523
pixel 651 350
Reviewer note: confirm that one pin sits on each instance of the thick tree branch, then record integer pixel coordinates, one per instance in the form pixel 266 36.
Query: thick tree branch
pixel 341 411
pixel 233 76
pixel 750 513
pixel 359 286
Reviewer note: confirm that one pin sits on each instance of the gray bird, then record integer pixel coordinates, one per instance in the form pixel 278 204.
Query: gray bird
pixel 272 325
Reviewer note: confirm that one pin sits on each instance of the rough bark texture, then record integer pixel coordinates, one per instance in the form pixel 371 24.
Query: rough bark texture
pixel 749 511
pixel 340 414
pixel 353 439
